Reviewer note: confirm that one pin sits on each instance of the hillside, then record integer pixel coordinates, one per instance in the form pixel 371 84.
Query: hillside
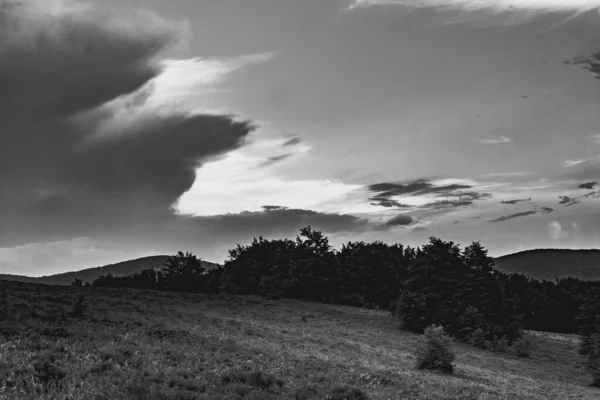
pixel 88 275
pixel 550 263
pixel 157 345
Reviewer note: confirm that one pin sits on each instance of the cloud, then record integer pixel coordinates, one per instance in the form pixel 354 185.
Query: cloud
pixel 275 159
pixel 567 201
pixel 591 63
pixel 572 163
pixel 495 5
pixel 511 216
pixel 589 185
pixel 384 202
pixel 417 187
pixel 595 138
pixel 498 140
pixel 588 170
pixel 401 220
pixel 26 259
pixel 292 142
pixel 274 220
pixel 90 145
pixel 556 232
pixel 234 184
pixel 427 196
pixel 515 201
pixel 507 174
pixel 395 189
pixel 545 210
pixel 445 204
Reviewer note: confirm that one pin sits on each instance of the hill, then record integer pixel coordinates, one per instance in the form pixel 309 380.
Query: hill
pixel 88 275
pixel 550 263
pixel 147 344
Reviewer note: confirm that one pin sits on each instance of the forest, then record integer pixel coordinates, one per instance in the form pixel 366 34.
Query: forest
pixel 435 284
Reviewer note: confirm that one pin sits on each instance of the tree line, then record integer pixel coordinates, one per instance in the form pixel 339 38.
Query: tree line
pixel 437 283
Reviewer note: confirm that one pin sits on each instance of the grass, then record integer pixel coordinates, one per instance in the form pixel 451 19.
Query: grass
pixel 141 344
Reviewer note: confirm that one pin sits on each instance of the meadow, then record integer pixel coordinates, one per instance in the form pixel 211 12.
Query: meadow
pixel 60 342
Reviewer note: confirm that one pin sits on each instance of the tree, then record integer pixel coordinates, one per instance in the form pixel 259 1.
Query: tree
pixel 77 282
pixel 458 291
pixel 434 350
pixel 184 272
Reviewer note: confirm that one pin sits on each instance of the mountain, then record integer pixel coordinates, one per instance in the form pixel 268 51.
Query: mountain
pixel 88 275
pixel 550 263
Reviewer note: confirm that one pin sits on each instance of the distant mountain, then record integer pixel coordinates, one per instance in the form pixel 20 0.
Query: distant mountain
pixel 88 275
pixel 550 263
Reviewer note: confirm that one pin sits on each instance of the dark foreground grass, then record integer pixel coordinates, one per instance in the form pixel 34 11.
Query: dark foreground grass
pixel 140 344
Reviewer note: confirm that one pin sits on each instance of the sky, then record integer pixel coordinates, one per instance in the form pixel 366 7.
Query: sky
pixel 137 127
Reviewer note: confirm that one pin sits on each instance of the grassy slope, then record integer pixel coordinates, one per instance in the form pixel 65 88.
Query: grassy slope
pixel 88 275
pixel 151 345
pixel 550 263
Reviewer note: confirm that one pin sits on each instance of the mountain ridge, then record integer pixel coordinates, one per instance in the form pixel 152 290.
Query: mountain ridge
pixel 89 274
pixel 549 264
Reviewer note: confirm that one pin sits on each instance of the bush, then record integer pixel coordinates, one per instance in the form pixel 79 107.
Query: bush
pixel 477 338
pixel 346 393
pixel 498 345
pixel 589 348
pixel 434 350
pixel 257 379
pixel 522 348
pixel 307 393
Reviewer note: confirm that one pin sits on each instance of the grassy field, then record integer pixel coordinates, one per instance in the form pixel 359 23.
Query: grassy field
pixel 138 344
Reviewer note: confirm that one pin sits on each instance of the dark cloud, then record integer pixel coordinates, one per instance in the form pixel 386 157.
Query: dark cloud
pixel 588 185
pixel 545 210
pixel 589 170
pixel 590 62
pixel 444 190
pixel 445 204
pixel 272 208
pixel 415 188
pixel 383 202
pixel 292 142
pixel 401 220
pixel 511 216
pixel 277 220
pixel 275 159
pixel 567 201
pixel 469 195
pixel 384 192
pixel 75 165
pixel 594 195
pixel 396 189
pixel 57 65
pixel 515 201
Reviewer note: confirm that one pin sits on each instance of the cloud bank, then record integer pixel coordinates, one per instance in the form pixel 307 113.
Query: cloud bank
pixel 556 232
pixel 97 139
pixel 496 5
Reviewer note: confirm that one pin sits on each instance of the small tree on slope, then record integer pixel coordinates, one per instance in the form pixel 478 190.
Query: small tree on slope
pixel 434 350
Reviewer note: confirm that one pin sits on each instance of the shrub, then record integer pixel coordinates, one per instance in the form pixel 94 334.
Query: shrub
pixel 79 307
pixel 257 379
pixel 346 393
pixel 306 393
pixel 498 345
pixel 434 350
pixel 589 348
pixel 477 338
pixel 522 348
pixel 46 369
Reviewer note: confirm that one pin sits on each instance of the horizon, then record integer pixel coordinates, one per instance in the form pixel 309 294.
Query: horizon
pixel 223 262
pixel 132 128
